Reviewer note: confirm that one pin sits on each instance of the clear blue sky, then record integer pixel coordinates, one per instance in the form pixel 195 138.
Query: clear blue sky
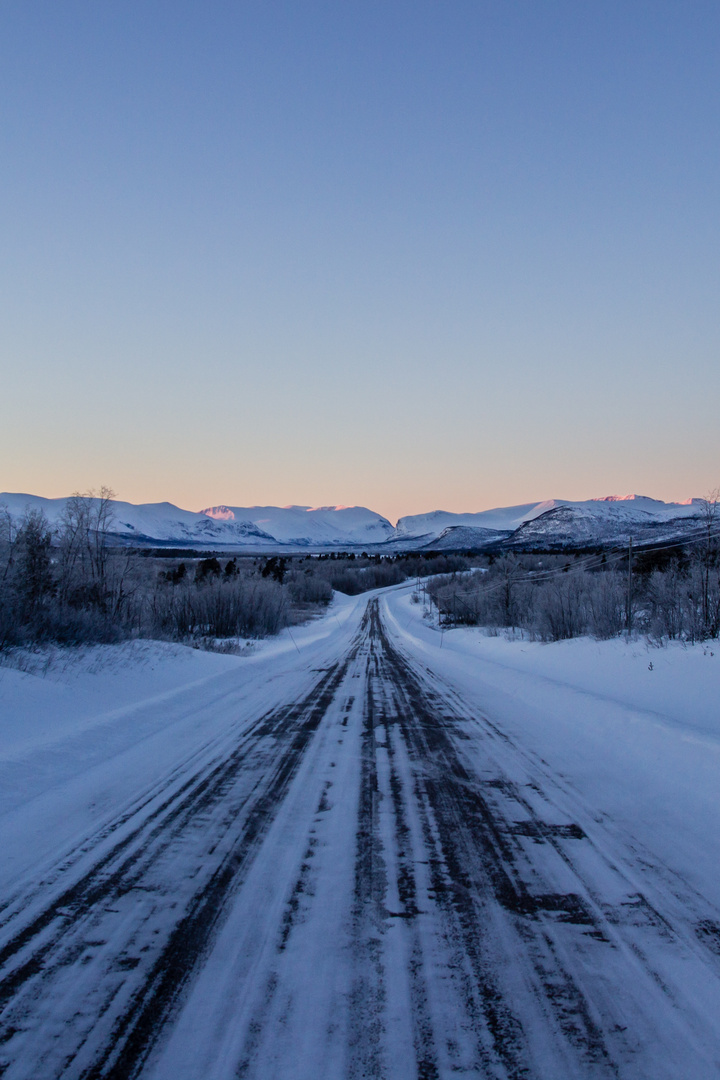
pixel 412 255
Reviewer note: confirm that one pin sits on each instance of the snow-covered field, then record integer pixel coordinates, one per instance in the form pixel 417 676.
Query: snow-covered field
pixel 366 849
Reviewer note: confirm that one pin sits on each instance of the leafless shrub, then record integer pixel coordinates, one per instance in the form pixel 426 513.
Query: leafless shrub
pixel 354 580
pixel 241 607
pixel 556 600
pixel 65 586
pixel 667 600
pixel 307 587
pixel 561 607
pixel 606 604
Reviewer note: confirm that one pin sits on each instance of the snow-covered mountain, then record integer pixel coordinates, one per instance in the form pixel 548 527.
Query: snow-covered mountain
pixel 309 525
pixel 466 538
pixel 608 521
pixel 257 527
pixel 610 509
pixel 503 520
pixel 149 522
pixel 553 522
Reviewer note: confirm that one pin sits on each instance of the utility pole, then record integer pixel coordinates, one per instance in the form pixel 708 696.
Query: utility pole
pixel 629 590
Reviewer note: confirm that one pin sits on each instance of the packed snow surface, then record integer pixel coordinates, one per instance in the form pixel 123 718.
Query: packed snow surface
pixel 366 848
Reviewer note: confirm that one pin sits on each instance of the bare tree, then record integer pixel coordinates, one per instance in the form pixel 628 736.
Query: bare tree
pixel 7 535
pixel 83 546
pixel 710 517
pixel 103 515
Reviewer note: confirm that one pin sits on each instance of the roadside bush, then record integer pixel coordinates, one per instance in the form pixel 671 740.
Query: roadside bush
pixel 667 599
pixel 561 608
pixel 554 599
pixel 65 585
pixel 606 604
pixel 307 587
pixel 239 607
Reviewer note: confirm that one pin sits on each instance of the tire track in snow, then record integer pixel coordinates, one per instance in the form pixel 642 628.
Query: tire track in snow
pixel 578 975
pixel 472 872
pixel 212 815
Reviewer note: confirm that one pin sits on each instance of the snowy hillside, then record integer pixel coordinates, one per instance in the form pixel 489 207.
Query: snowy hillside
pixel 505 519
pixel 610 520
pixel 466 538
pixel 611 508
pixel 559 522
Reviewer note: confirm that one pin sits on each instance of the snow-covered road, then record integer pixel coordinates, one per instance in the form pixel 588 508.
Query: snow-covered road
pixel 341 865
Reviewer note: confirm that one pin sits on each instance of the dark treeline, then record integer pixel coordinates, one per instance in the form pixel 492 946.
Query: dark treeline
pixel 353 574
pixel 669 594
pixel 67 585
pixel 64 585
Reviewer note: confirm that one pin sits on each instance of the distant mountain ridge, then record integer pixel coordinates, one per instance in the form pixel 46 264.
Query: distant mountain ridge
pixel 552 522
pixel 307 525
pixel 258 527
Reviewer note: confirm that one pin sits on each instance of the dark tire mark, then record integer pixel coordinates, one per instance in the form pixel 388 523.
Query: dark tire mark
pixel 39 948
pixel 475 864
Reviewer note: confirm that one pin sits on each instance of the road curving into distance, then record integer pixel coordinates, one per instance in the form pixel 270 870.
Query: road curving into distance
pixel 368 879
